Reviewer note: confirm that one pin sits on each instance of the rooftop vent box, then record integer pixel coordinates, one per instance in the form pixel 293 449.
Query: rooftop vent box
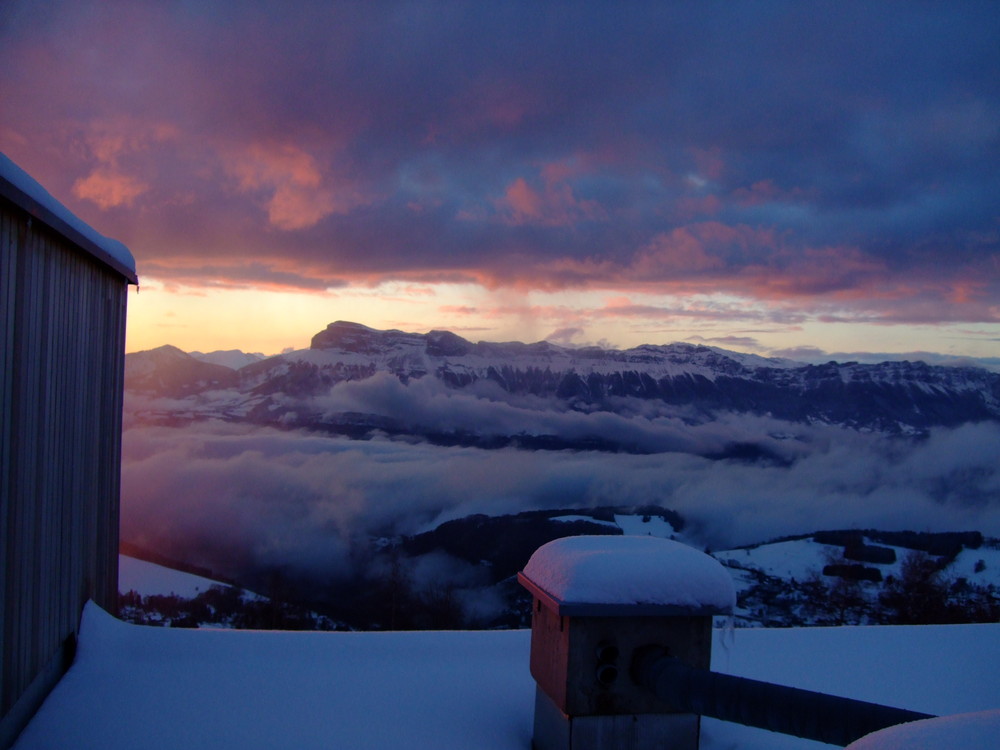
pixel 596 600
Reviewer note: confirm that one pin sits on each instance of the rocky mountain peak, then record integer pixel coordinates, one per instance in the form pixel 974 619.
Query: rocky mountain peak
pixel 447 344
pixel 345 335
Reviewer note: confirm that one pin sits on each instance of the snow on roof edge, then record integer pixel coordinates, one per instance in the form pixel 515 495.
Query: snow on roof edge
pixel 24 190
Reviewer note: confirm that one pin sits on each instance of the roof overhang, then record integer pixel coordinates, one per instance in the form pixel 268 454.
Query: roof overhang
pixel 48 212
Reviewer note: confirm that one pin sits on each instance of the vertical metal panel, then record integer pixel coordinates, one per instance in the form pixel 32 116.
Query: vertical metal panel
pixel 62 327
pixel 8 290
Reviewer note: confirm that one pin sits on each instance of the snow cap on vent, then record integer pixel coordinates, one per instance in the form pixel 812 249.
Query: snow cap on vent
pixel 609 575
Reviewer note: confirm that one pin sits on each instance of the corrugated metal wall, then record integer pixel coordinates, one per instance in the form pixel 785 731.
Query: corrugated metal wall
pixel 62 332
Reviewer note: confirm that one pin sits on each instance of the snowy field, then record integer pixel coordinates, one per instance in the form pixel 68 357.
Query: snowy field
pixel 150 579
pixel 794 559
pixel 152 688
pixel 802 558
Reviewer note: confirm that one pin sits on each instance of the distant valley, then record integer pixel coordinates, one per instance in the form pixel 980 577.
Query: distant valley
pixel 421 469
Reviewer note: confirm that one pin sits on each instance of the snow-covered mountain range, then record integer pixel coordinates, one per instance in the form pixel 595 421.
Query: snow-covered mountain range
pixel 686 381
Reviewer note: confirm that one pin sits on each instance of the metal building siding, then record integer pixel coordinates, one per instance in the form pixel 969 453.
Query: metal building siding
pixel 62 328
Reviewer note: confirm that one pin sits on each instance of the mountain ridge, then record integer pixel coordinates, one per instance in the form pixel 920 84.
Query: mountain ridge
pixel 892 397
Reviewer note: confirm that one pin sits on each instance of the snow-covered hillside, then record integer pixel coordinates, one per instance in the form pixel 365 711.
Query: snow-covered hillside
pixel 629 524
pixel 811 580
pixel 149 579
pixel 802 558
pixel 153 594
pixel 808 580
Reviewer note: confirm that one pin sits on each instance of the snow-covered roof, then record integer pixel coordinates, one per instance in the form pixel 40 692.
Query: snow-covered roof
pixel 157 688
pixel 596 575
pixel 21 188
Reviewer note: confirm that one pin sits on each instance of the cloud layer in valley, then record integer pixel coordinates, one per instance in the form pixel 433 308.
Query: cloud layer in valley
pixel 237 498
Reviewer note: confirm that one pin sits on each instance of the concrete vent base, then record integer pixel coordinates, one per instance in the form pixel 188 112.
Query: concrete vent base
pixel 554 730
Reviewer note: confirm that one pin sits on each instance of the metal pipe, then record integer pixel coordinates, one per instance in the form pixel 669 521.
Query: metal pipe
pixel 779 708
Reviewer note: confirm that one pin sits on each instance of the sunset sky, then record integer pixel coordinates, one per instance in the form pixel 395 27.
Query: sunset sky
pixel 802 179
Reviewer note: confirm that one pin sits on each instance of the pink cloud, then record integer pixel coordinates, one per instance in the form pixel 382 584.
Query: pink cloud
pixel 840 273
pixel 553 203
pixel 680 251
pixel 458 310
pixel 115 143
pixel 110 139
pixel 523 201
pixel 292 184
pixel 572 167
pixel 108 188
pixel 418 291
pixel 278 274
pixel 702 250
pixel 760 192
pixel 685 306
pixel 261 165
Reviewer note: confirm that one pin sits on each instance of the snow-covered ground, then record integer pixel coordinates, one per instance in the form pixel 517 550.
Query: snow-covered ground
pixel 980 566
pixel 777 582
pixel 796 559
pixel 142 687
pixel 972 731
pixel 150 579
pixel 645 526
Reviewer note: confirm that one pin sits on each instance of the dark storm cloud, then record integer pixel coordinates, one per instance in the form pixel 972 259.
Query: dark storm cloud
pixel 838 153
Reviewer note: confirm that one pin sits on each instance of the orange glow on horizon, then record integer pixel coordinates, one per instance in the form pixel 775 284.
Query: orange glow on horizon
pixel 270 321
